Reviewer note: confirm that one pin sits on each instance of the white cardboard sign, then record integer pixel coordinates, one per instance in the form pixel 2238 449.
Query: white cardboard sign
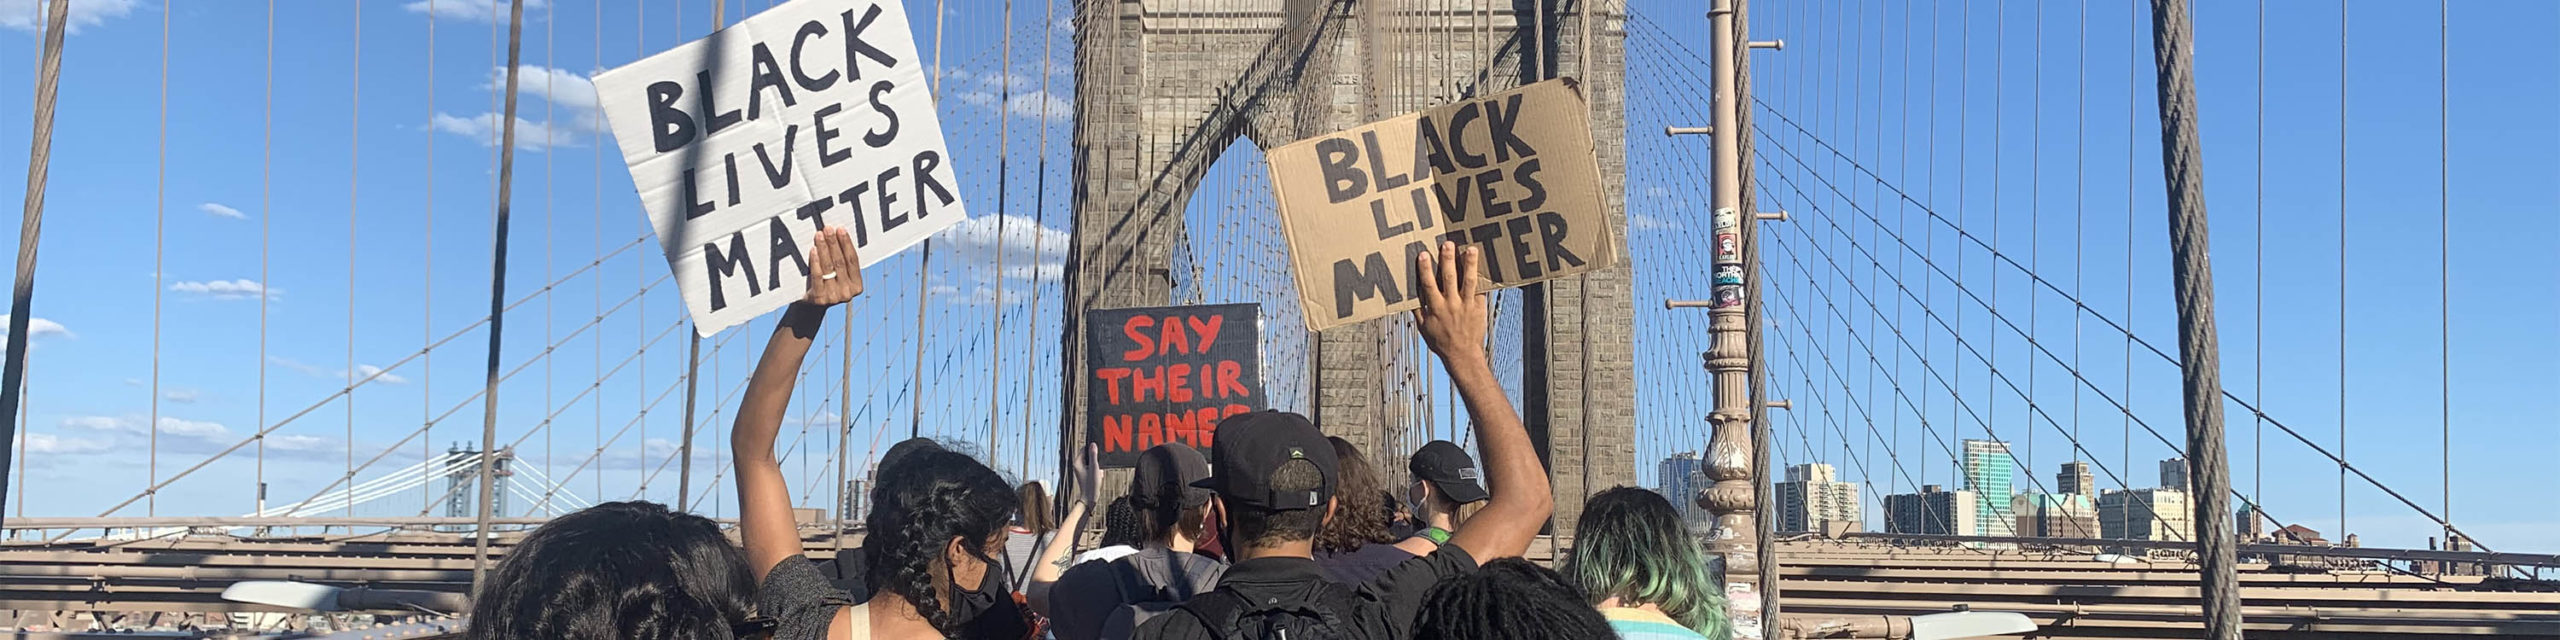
pixel 744 143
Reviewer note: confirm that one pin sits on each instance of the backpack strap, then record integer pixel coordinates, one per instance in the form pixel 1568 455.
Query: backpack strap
pixel 1218 610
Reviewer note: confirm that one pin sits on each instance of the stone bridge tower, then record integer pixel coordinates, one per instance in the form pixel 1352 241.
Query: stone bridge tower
pixel 1163 86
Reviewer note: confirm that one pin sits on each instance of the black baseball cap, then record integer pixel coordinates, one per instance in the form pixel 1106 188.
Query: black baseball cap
pixel 1251 447
pixel 1165 475
pixel 1450 470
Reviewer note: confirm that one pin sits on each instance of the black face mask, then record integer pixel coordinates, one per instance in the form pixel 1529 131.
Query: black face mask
pixel 968 604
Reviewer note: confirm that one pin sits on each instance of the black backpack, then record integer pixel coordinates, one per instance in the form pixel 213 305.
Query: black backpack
pixel 1231 616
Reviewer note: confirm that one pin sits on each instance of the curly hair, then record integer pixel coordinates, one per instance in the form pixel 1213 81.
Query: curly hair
pixel 1508 599
pixel 1630 545
pixel 1357 521
pixel 935 496
pixel 617 570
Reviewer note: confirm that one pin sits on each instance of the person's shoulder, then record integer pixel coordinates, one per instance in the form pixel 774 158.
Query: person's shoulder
pixel 1177 624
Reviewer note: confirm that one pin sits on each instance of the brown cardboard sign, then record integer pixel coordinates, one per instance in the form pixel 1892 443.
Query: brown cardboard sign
pixel 1514 174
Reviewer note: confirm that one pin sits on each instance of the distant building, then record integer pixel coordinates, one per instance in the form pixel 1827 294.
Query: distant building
pixel 2253 526
pixel 2074 479
pixel 1682 476
pixel 2146 514
pixel 2173 475
pixel 1812 499
pixel 1991 474
pixel 2301 535
pixel 1932 511
pixel 2050 515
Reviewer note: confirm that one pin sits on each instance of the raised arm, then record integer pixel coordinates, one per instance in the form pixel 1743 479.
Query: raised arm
pixel 1053 558
pixel 764 503
pixel 1453 321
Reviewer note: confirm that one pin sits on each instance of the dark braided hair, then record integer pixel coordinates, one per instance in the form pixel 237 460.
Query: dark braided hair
pixel 1508 599
pixel 1120 524
pixel 617 570
pixel 935 496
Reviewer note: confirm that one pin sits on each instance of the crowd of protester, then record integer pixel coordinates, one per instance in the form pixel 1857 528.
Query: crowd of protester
pixel 1278 532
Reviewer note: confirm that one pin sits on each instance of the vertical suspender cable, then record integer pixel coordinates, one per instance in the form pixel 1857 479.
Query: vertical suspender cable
pixel 266 204
pixel 39 160
pixel 159 251
pixel 355 146
pixel 2182 156
pixel 1004 164
pixel 2444 246
pixel 426 290
pixel 924 263
pixel 497 298
pixel 693 353
pixel 2258 289
pixel 2342 267
pixel 1040 207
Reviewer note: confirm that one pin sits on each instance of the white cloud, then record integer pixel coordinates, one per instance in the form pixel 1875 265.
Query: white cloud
pixel 1021 105
pixel 1648 222
pixel 362 371
pixel 30 15
pixel 1656 192
pixel 981 294
pixel 376 373
pixel 45 443
pixel 293 443
pixel 40 327
pixel 174 426
pixel 221 210
pixel 241 289
pixel 492 11
pixel 977 241
pixel 485 129
pixel 181 395
pixel 573 93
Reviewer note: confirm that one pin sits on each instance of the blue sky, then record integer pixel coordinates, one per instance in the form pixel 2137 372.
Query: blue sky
pixel 351 136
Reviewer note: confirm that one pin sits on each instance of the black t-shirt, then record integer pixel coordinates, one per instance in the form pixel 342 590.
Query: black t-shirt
pixel 799 599
pixel 1362 564
pixel 1387 603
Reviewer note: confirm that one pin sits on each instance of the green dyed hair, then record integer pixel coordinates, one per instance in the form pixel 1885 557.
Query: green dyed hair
pixel 1631 545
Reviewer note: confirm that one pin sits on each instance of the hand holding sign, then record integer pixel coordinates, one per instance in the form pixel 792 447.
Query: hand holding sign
pixel 835 269
pixel 1088 478
pixel 1453 314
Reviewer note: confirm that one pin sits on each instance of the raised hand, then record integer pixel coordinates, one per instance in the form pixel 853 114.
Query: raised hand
pixel 1088 478
pixel 835 271
pixel 1453 317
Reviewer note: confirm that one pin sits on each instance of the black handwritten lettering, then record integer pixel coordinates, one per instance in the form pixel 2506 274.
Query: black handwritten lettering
pixel 1378 215
pixel 927 161
pixel 669 126
pixel 1370 279
pixel 1494 205
pixel 717 120
pixel 1387 179
pixel 855 49
pixel 888 221
pixel 1430 155
pixel 1551 232
pixel 889 132
pixel 1527 175
pixel 1454 209
pixel 1521 257
pixel 768 75
pixel 731 161
pixel 1342 178
pixel 852 199
pixel 723 265
pixel 1506 142
pixel 1483 237
pixel 824 133
pixel 779 176
pixel 1458 136
pixel 783 247
pixel 809 30
pixel 694 206
pixel 815 212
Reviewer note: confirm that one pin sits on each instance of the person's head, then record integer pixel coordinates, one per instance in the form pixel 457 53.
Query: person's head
pixel 1358 522
pixel 1275 483
pixel 1508 599
pixel 939 522
pixel 1120 524
pixel 1162 497
pixel 1630 545
pixel 1446 482
pixel 618 570
pixel 1033 510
